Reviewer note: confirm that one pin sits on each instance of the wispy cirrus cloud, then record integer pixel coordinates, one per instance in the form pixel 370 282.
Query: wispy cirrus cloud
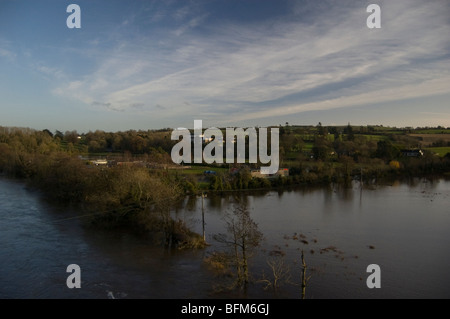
pixel 192 23
pixel 6 51
pixel 233 72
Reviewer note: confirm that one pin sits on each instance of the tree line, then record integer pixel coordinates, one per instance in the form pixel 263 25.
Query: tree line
pixel 121 196
pixel 324 155
pixel 313 154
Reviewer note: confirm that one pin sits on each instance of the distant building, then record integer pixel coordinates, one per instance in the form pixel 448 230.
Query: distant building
pixel 100 162
pixel 283 172
pixel 280 172
pixel 412 153
pixel 202 137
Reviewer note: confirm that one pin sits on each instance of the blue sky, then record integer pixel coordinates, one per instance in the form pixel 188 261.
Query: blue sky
pixel 154 64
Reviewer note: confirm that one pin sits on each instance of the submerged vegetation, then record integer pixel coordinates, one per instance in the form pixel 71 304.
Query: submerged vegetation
pixel 118 196
pixel 241 239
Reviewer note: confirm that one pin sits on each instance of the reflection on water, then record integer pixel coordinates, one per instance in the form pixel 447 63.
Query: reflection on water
pixel 402 227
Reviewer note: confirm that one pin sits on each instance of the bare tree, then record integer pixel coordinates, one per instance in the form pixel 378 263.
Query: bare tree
pixel 242 239
pixel 280 272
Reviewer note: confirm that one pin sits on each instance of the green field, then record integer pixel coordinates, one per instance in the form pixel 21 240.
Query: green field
pixel 432 131
pixel 199 170
pixel 375 137
pixel 441 151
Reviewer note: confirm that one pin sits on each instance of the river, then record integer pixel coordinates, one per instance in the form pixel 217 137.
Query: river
pixel 403 227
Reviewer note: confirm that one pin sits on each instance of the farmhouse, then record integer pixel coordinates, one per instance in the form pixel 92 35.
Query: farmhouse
pixel 412 153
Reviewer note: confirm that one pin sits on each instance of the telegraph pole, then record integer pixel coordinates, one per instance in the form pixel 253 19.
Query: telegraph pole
pixel 203 217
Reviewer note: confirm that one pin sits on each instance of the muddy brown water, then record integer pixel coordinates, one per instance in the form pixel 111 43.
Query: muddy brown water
pixel 404 228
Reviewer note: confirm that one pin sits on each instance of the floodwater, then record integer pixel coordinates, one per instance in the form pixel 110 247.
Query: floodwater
pixel 403 227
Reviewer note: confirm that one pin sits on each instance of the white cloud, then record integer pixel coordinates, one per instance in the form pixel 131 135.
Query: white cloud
pixel 192 23
pixel 7 54
pixel 427 88
pixel 50 71
pixel 6 51
pixel 284 68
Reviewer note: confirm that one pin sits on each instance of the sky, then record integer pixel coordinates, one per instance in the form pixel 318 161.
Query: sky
pixel 163 64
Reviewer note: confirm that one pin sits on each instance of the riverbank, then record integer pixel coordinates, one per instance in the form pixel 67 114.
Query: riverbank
pixel 141 194
pixel 115 197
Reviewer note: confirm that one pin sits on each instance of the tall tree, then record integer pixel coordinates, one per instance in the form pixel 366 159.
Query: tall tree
pixel 349 131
